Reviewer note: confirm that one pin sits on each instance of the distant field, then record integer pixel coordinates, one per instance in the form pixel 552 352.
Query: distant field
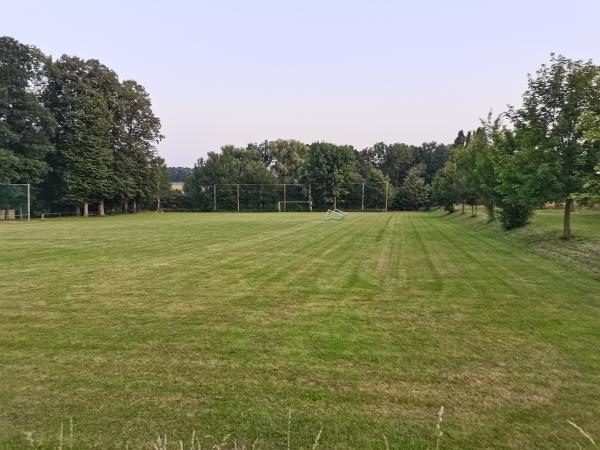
pixel 221 322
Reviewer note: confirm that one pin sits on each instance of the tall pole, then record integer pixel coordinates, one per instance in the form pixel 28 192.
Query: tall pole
pixel 362 202
pixel 28 201
pixel 309 198
pixel 214 197
pixel 158 196
pixel 386 195
pixel 284 199
pixel 238 196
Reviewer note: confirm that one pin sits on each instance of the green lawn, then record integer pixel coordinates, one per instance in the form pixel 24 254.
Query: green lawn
pixel 220 323
pixel 544 235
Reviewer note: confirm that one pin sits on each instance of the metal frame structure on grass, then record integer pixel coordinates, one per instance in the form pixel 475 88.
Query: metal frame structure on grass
pixel 335 214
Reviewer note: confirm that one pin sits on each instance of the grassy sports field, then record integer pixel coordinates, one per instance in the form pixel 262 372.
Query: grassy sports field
pixel 364 328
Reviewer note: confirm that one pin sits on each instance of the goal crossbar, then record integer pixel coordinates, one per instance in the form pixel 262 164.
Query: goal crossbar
pixel 282 205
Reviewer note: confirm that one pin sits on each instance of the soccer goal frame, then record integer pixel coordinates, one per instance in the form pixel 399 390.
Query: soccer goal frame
pixel 10 214
pixel 282 204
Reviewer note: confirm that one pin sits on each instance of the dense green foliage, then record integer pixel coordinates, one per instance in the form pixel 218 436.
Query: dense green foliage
pixel 26 125
pixel 178 173
pixel 548 155
pixel 334 174
pixel 414 193
pixel 169 323
pixel 76 133
pixel 328 168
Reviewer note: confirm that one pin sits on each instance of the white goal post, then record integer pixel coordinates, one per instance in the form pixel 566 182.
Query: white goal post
pixel 15 201
pixel 282 205
pixel 335 214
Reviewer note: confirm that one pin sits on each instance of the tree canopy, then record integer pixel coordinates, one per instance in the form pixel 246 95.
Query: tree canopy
pixel 75 132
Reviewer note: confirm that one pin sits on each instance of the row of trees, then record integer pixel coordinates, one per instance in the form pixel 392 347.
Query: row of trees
pixel 329 169
pixel 548 150
pixel 77 133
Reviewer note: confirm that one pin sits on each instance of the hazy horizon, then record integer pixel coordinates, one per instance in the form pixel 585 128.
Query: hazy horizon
pixel 346 72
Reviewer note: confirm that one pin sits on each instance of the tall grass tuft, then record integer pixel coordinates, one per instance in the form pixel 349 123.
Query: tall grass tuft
pixel 438 428
pixel 583 432
pixel 316 444
pixel 289 428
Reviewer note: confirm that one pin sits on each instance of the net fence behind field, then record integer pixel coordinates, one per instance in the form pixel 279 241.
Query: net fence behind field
pixel 290 197
pixel 14 201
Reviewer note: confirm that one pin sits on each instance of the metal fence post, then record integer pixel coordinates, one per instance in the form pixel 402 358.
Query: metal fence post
pixel 386 195
pixel 362 202
pixel 28 201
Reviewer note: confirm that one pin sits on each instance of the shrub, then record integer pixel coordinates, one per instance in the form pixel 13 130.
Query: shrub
pixel 515 215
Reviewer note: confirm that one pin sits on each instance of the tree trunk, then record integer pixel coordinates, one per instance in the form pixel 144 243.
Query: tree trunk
pixel 125 206
pixel 158 203
pixel 334 202
pixel 567 219
pixel 134 206
pixel 491 212
pixel 86 210
pixel 463 207
pixel 101 208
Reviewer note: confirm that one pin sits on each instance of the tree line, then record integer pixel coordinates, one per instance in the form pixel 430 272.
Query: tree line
pixel 77 133
pixel 329 169
pixel 81 136
pixel 548 150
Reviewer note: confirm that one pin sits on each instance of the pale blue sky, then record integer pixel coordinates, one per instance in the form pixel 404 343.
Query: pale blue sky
pixel 350 72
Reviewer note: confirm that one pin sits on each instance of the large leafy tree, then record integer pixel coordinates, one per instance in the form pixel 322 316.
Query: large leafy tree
pixel 263 150
pixel 26 125
pixel 329 168
pixel 446 188
pixel 288 158
pixel 79 94
pixel 485 155
pixel 548 128
pixel 415 192
pixel 158 182
pixel 465 168
pixel 591 195
pixel 432 157
pixel 396 160
pixel 136 131
pixel 589 126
